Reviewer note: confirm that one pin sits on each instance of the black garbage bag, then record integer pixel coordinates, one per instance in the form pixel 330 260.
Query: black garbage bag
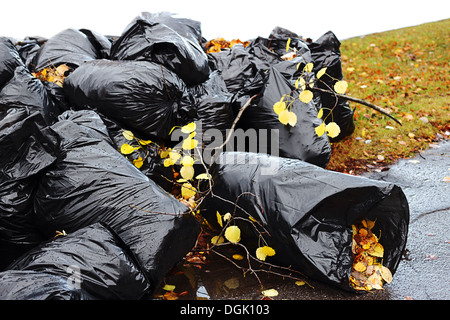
pixel 325 52
pixel 308 212
pixel 23 91
pixel 165 40
pixel 33 285
pixel 92 182
pixel 141 96
pixel 27 147
pixel 9 60
pixel 299 141
pixel 28 48
pixel 71 47
pixel 213 106
pixel 93 261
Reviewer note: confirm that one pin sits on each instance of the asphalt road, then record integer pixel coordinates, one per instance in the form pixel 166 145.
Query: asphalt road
pixel 423 273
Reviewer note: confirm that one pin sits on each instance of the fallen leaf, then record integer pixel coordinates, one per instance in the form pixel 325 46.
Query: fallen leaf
pixel 128 135
pixel 300 283
pixel 446 179
pixel 270 293
pixel 127 149
pixel 169 287
pixel 139 162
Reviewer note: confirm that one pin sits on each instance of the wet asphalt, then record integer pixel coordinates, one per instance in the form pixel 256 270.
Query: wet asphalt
pixel 423 273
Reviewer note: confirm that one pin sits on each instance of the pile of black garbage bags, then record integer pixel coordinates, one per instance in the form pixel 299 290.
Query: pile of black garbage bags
pixel 78 220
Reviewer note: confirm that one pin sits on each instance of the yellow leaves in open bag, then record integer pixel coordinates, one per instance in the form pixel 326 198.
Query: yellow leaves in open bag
pixel 52 74
pixel 367 272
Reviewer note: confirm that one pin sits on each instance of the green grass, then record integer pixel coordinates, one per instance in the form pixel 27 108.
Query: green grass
pixel 407 72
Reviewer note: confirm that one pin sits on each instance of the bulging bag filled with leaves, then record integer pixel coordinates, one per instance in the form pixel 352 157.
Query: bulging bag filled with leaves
pixel 71 47
pixel 326 54
pixel 168 41
pixel 306 214
pixel 93 261
pixel 296 137
pixel 27 148
pixel 143 97
pixel 92 182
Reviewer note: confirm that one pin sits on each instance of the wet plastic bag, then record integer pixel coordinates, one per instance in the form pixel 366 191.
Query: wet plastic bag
pixel 71 47
pixel 27 147
pixel 92 182
pixel 143 97
pixel 89 263
pixel 308 212
pixel 163 39
pixel 9 60
pixel 326 53
pixel 23 91
pixel 299 141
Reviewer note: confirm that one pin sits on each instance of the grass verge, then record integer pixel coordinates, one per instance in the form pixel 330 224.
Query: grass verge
pixel 407 72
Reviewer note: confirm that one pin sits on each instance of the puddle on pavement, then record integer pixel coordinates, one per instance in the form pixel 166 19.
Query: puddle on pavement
pixel 219 279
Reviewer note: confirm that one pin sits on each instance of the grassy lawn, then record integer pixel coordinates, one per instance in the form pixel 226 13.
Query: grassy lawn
pixel 407 72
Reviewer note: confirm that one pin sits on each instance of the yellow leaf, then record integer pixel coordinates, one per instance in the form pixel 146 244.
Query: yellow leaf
pixel 189 144
pixel 217 240
pixel 300 283
pixel 237 257
pixel 144 142
pixel 288 44
pixel 128 135
pixel 164 153
pixel 320 130
pixel 306 96
pixel 233 234
pixel 187 161
pixel 296 83
pixel 188 191
pixel 189 127
pixel 292 119
pixel 320 114
pixel 263 252
pixel 219 218
pixel 168 162
pixel 270 293
pixel 174 156
pixel 340 86
pixel 227 216
pixel 309 67
pixel 321 72
pixel 169 287
pixel 138 162
pixel 359 266
pixel 386 274
pixel 283 117
pixel 127 149
pixel 377 251
pixel 279 106
pixel 204 176
pixel 187 172
pixel 333 129
pixel 302 83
